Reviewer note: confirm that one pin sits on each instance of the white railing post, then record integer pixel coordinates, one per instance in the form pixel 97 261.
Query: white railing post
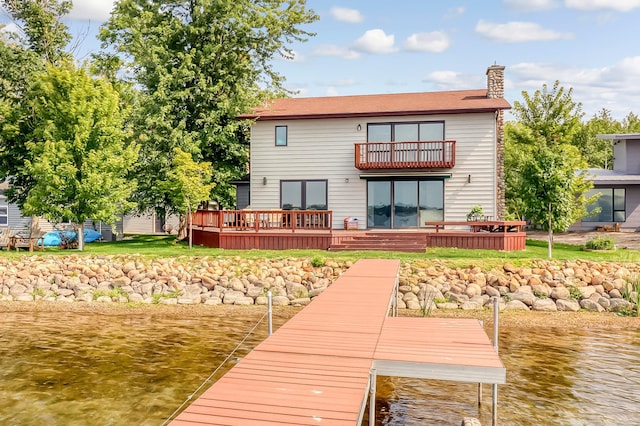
pixel 269 313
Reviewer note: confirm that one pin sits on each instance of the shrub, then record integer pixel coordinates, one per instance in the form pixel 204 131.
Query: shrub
pixel 317 262
pixel 600 243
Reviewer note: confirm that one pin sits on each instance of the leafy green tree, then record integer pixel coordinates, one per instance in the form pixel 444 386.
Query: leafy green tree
pixel 40 21
pixel 552 192
pixel 188 184
pixel 598 153
pixel 42 40
pixel 78 155
pixel 199 64
pixel 541 163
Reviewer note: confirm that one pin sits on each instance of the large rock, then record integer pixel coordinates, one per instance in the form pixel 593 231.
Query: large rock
pixel 524 295
pixel 515 305
pixel 545 305
pixel 568 305
pixel 591 305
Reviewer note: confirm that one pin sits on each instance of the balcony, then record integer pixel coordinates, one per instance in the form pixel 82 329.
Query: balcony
pixel 406 155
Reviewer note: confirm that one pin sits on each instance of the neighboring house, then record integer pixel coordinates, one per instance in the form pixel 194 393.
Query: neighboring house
pixel 391 161
pixel 11 216
pixel 619 189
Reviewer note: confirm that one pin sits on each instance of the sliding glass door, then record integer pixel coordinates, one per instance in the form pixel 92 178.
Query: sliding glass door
pixel 404 203
pixel 379 204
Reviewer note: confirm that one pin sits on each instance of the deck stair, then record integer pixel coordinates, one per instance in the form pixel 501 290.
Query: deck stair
pixel 383 241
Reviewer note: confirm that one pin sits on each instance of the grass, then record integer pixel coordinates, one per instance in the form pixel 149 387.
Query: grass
pixel 159 246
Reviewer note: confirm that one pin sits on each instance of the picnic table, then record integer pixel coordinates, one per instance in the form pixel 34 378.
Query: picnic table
pixel 482 225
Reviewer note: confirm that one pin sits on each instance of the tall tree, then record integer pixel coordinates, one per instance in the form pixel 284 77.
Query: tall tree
pixel 542 164
pixel 78 155
pixel 188 184
pixel 199 65
pixel 40 21
pixel 42 39
pixel 552 192
pixel 598 153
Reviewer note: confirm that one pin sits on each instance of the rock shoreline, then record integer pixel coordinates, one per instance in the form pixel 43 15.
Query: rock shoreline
pixel 424 285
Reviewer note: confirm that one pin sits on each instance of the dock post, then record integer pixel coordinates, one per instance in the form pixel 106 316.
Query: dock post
pixel 269 313
pixel 394 307
pixel 372 396
pixel 496 309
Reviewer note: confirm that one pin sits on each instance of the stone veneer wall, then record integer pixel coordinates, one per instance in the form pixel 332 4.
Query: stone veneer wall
pixel 495 89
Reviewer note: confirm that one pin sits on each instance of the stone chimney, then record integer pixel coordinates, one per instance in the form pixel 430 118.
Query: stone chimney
pixel 495 81
pixel 495 90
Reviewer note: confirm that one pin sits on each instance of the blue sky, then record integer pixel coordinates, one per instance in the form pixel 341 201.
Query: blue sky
pixel 364 47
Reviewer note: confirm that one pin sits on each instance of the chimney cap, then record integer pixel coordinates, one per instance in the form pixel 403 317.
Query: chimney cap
pixel 495 68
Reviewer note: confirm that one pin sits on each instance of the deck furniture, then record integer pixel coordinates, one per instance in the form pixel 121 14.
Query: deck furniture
pixel 33 241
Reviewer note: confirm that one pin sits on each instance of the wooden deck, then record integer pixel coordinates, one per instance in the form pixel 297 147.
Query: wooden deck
pixel 316 368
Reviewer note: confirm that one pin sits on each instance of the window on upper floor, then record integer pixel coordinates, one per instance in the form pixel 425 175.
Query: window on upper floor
pixel 4 211
pixel 405 132
pixel 281 135
pixel 303 194
pixel 611 203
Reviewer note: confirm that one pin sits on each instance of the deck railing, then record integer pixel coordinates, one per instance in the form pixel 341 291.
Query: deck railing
pixel 406 155
pixel 263 220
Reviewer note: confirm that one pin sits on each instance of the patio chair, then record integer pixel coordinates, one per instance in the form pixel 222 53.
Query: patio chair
pixel 5 238
pixel 32 242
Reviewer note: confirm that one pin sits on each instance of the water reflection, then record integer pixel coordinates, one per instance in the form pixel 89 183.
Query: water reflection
pixel 554 376
pixel 78 369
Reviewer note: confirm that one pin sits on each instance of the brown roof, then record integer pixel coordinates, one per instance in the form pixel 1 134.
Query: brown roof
pixel 423 103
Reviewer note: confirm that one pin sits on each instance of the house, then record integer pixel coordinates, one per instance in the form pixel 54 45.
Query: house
pixel 619 189
pixel 11 216
pixel 393 161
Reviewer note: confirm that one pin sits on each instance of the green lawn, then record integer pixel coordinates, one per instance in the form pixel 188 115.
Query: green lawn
pixel 166 246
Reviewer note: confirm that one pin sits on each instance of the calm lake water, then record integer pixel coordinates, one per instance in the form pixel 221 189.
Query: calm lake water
pixel 98 369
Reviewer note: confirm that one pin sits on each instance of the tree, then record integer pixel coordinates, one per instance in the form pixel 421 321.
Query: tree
pixel 543 177
pixel 598 153
pixel 40 21
pixel 78 156
pixel 42 40
pixel 199 64
pixel 187 185
pixel 552 192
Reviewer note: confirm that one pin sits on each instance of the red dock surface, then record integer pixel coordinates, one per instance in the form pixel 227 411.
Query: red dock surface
pixel 316 368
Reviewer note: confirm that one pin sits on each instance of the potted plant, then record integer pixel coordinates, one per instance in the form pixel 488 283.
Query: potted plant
pixel 476 213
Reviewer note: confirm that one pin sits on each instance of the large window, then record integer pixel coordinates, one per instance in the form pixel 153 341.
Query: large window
pixel 4 211
pixel 404 203
pixel 303 195
pixel 611 205
pixel 406 132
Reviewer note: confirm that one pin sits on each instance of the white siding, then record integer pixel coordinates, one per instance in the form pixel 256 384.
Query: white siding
pixel 147 224
pixel 324 149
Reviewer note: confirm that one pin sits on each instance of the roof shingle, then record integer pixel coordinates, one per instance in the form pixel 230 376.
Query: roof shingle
pixel 423 103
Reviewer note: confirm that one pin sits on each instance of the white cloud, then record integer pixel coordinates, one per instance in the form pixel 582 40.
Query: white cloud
pixel 455 11
pixel 344 82
pixel 619 5
pixel 332 91
pixel 91 10
pixel 453 80
pixel 375 41
pixel 436 41
pixel 518 32
pixel 333 50
pixel 614 87
pixel 344 14
pixel 295 57
pixel 529 5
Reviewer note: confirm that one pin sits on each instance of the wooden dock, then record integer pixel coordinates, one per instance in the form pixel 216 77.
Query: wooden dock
pixel 317 368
